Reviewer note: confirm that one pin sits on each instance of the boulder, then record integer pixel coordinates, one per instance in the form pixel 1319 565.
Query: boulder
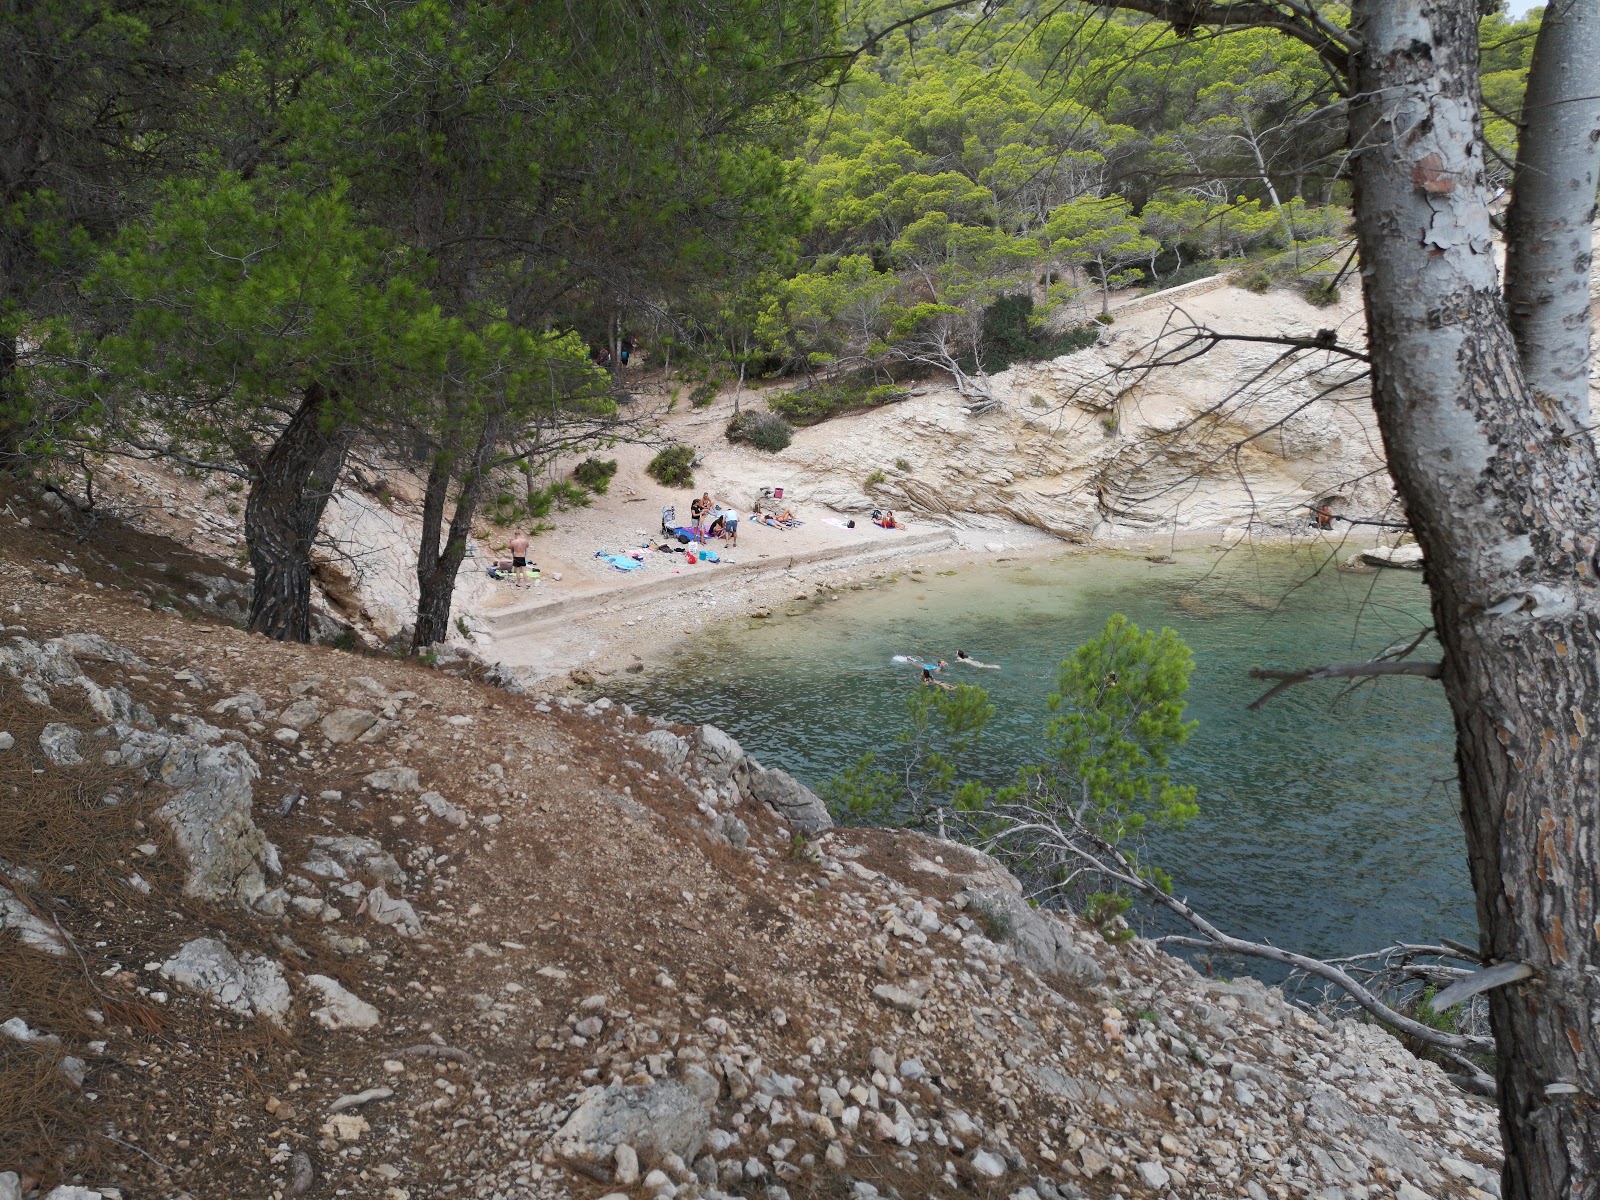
pixel 347 724
pixel 341 1008
pixel 361 856
pixel 798 805
pixel 62 744
pixel 249 985
pixel 716 754
pixel 394 779
pixel 1405 558
pixel 672 749
pixel 39 668
pixel 664 1118
pixel 1039 939
pixel 228 855
pixel 393 912
pixel 443 809
pixel 301 715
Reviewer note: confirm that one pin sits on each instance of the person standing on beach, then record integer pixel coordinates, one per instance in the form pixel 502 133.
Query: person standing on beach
pixel 699 512
pixel 519 557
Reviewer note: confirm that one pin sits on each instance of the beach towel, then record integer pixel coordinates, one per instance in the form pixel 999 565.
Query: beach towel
pixel 620 561
pixel 835 521
pixel 710 556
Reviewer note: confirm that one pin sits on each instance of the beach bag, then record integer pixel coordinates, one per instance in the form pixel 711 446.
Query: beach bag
pixel 683 539
pixel 850 524
pixel 777 493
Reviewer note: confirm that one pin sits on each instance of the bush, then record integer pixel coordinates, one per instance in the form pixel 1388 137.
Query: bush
pixel 1011 336
pixel 702 394
pixel 1322 292
pixel 819 401
pixel 595 473
pixel 673 467
pixel 1258 280
pixel 873 480
pixel 763 430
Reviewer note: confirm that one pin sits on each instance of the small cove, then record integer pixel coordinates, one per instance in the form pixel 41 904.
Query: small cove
pixel 1328 823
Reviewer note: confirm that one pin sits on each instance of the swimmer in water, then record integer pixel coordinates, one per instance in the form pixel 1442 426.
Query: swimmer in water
pixel 929 680
pixel 964 659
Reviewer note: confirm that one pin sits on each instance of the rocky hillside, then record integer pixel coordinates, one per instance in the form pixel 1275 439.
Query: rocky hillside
pixel 1093 446
pixel 288 921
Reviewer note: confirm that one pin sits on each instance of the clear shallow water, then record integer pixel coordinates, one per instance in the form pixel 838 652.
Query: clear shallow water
pixel 1327 825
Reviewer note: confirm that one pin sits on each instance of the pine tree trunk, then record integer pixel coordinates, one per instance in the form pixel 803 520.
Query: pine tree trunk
pixel 1507 514
pixel 433 599
pixel 1548 229
pixel 438 566
pixel 11 420
pixel 284 509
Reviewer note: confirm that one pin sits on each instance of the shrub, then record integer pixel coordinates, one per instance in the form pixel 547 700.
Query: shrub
pixel 1010 335
pixel 595 473
pixel 1322 292
pixel 673 467
pixel 702 394
pixel 873 480
pixel 819 401
pixel 901 464
pixel 1259 281
pixel 763 430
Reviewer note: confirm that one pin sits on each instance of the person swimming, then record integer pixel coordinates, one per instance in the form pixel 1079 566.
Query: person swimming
pixel 917 659
pixel 930 681
pixel 964 659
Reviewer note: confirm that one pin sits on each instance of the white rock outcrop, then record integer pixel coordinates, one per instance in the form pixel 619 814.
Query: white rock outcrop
pixel 249 984
pixel 1089 446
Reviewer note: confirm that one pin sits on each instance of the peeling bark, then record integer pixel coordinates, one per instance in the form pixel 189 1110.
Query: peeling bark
pixel 1507 513
pixel 1549 229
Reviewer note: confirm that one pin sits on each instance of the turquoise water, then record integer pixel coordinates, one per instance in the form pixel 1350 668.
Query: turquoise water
pixel 1328 822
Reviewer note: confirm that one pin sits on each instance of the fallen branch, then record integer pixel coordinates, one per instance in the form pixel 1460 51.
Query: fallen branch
pixel 1111 863
pixel 1288 679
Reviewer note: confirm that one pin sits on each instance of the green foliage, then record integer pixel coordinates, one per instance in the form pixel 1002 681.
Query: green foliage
pixel 702 394
pixel 874 478
pixel 595 473
pixel 912 781
pixel 1322 292
pixel 1448 1021
pixel 901 464
pixel 1012 334
pixel 1115 719
pixel 763 430
pixel 1104 912
pixel 1102 235
pixel 673 466
pixel 829 398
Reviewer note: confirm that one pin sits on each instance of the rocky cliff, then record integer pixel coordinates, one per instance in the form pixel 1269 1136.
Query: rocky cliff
pixel 1102 443
pixel 286 921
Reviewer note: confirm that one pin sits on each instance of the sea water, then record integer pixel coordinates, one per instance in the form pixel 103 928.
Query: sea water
pixel 1328 819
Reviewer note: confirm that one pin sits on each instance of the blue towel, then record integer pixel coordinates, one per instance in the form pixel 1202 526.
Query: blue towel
pixel 620 561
